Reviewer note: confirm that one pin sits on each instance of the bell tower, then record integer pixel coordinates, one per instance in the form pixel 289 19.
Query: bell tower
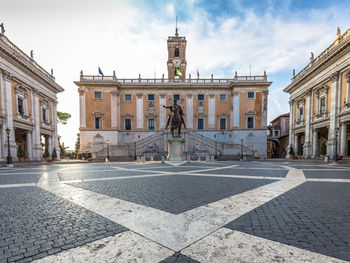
pixel 176 56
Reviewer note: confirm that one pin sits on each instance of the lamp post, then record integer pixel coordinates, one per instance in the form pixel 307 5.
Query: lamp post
pixel 107 150
pixel 241 149
pixel 9 157
pixel 135 151
pixel 216 149
pixel 335 157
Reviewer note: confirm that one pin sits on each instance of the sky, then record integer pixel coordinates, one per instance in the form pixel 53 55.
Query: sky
pixel 225 36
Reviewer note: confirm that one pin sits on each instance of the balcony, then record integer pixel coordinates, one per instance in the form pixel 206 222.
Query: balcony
pixel 321 115
pixel 299 122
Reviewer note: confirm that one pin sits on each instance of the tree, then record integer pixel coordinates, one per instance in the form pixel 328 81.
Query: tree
pixel 62 117
pixel 77 143
pixel 54 154
pixel 300 149
pixel 323 150
pixel 291 151
pixel 46 153
pixel 20 152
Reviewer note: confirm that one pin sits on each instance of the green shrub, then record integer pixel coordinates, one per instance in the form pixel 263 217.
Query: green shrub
pixel 46 153
pixel 291 151
pixel 300 149
pixel 54 153
pixel 323 150
pixel 20 152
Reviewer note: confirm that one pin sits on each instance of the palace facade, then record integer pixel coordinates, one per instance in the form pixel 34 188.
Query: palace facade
pixel 320 102
pixel 28 103
pixel 127 114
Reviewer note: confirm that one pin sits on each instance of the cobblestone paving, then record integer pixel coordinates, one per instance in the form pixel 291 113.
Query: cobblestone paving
pixel 173 193
pixel 179 258
pixel 248 172
pixel 65 176
pixel 35 223
pixel 19 178
pixel 345 174
pixel 314 216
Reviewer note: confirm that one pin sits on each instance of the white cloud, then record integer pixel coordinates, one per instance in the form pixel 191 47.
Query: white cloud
pixel 132 40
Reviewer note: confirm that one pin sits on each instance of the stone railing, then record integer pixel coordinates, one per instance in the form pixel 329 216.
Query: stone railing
pixel 321 115
pixel 163 80
pixel 341 39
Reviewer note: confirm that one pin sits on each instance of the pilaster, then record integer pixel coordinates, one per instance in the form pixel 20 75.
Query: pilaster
pixel 114 110
pixel 37 151
pixel 162 111
pixel 189 111
pixel 139 111
pixel 264 109
pixel 236 109
pixel 343 138
pixel 291 128
pixel 333 112
pixel 308 135
pixel 314 143
pixel 82 109
pixel 211 111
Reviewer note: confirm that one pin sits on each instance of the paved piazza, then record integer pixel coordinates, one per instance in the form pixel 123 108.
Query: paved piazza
pixel 191 212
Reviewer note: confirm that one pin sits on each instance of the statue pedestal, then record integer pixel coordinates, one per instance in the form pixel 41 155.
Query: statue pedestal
pixel 175 150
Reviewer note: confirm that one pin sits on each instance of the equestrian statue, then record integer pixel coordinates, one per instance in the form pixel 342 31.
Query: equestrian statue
pixel 175 119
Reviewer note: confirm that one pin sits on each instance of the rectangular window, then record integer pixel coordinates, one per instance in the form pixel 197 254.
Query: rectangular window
pixel 128 124
pixel 222 123
pixel 250 122
pixel 301 114
pixel 200 97
pixel 151 124
pixel 127 97
pixel 44 115
pixel 98 95
pixel 176 97
pixel 20 106
pixel 97 122
pixel 251 95
pixel 222 97
pixel 200 124
pixel 151 97
pixel 323 105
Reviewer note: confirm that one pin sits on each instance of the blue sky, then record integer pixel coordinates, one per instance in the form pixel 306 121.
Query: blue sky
pixel 130 37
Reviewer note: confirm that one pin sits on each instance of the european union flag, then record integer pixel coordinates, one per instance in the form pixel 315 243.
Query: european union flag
pixel 100 72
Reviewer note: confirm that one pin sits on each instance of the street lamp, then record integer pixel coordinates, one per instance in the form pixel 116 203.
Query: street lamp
pixel 9 158
pixel 335 157
pixel 241 149
pixel 107 150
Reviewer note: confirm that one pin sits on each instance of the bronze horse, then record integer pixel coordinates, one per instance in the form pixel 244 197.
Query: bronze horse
pixel 175 119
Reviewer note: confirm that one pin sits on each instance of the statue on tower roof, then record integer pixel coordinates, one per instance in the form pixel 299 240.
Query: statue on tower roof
pixel 2 27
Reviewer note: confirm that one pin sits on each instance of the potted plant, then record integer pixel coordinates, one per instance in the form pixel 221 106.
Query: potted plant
pixel 54 154
pixel 291 152
pixel 20 153
pixel 323 150
pixel 46 154
pixel 300 151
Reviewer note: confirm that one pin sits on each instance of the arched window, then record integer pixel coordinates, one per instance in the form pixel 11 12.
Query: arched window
pixel 177 53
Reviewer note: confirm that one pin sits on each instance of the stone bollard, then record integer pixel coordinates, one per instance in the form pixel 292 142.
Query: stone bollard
pixel 188 158
pixel 199 158
pixel 152 158
pixel 212 159
pixel 138 159
pixel 143 159
pixel 207 158
pixel 162 159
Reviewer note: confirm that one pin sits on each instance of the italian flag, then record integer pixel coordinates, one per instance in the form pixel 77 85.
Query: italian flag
pixel 178 73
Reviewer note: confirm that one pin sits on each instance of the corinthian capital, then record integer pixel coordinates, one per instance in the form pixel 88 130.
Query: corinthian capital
pixel 6 75
pixel 335 77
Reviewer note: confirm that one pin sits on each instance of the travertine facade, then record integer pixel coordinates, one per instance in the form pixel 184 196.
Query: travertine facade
pixel 278 137
pixel 320 102
pixel 218 112
pixel 28 103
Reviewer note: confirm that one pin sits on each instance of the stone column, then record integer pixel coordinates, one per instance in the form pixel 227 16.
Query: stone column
pixel 114 110
pixel 232 118
pixel 343 138
pixel 211 111
pixel 314 143
pixel 264 109
pixel 37 151
pixel 189 111
pixel 7 77
pixel 333 112
pixel 3 112
pixel 50 144
pixel 347 88
pixel 162 111
pixel 29 145
pixel 236 109
pixel 139 111
pixel 82 109
pixel 308 132
pixel 55 131
pixel 291 128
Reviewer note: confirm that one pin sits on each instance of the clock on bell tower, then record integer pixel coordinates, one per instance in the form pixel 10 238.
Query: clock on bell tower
pixel 176 56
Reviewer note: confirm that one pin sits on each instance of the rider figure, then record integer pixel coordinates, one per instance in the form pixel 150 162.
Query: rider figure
pixel 173 108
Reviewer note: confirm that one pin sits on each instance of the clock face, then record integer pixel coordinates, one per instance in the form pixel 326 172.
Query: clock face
pixel 177 62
